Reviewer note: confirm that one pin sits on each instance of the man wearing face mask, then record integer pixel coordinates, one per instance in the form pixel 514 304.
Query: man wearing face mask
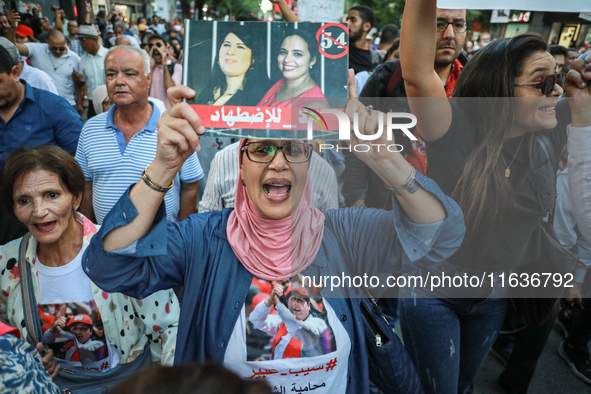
pixel 165 74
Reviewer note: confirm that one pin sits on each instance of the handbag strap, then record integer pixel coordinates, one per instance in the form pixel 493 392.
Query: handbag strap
pixel 34 334
pixel 549 151
pixel 546 145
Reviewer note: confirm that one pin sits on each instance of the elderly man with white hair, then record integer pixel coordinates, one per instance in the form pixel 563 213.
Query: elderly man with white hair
pixel 116 147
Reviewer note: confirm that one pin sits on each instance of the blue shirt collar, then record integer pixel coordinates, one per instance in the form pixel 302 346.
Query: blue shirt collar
pixel 29 94
pixel 150 126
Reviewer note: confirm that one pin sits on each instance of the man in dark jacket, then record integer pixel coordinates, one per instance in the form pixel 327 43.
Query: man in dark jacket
pixel 363 187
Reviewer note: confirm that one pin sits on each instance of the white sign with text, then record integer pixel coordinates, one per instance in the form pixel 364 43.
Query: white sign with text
pixel 321 10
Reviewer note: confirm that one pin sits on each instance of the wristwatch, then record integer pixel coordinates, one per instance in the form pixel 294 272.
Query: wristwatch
pixel 410 185
pixel 85 97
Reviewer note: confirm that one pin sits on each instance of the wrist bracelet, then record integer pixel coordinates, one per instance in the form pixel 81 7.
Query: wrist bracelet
pixel 409 185
pixel 153 185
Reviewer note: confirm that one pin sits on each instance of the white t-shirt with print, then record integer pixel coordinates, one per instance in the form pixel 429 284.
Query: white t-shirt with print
pixel 69 284
pixel 322 374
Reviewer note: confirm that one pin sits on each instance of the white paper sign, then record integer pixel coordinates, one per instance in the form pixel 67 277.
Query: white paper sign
pixel 321 10
pixel 585 15
pixel 530 5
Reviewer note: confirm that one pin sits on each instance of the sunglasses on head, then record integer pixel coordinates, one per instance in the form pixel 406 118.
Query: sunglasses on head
pixel 158 44
pixel 58 49
pixel 547 84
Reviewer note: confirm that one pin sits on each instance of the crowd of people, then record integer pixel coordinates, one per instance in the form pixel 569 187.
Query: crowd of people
pixel 127 240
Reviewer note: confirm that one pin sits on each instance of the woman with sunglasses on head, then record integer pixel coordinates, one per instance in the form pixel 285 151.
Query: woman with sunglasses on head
pixel 238 76
pixel 273 233
pixel 298 59
pixel 494 148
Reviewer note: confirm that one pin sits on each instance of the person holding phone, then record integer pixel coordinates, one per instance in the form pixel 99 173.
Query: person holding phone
pixel 165 73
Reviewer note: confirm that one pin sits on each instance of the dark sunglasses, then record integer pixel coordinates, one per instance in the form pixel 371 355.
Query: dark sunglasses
pixel 158 44
pixel 58 49
pixel 547 84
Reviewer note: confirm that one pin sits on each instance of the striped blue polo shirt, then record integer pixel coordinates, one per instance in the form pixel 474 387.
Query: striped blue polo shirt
pixel 112 165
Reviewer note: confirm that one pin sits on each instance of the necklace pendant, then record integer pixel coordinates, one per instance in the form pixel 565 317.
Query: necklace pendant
pixel 507 173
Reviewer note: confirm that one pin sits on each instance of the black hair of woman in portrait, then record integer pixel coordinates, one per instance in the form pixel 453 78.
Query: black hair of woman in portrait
pixel 238 76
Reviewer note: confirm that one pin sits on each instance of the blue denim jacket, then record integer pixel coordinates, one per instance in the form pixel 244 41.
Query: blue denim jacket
pixel 195 253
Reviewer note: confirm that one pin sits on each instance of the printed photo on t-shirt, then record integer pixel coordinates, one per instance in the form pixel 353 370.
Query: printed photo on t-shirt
pixel 74 331
pixel 291 337
pixel 295 325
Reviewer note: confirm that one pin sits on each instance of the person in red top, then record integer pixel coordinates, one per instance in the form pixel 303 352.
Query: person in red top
pixel 298 57
pixel 297 332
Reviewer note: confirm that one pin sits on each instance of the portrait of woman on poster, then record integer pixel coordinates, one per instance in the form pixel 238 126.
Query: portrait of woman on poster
pixel 238 75
pixel 298 59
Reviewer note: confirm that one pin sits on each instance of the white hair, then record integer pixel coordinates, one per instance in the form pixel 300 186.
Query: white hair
pixel 143 54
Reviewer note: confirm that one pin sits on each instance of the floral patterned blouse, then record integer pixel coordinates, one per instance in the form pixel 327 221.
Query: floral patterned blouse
pixel 129 324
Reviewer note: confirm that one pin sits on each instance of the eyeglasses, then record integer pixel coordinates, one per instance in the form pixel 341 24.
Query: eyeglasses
pixel 158 44
pixel 263 152
pixel 459 26
pixel 58 49
pixel 547 84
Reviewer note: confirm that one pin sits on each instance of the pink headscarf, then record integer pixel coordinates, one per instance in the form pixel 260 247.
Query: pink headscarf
pixel 274 249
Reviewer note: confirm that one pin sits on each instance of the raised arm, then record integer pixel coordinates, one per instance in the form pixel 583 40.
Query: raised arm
pixel 421 206
pixel 14 19
pixel 426 93
pixel 578 89
pixel 178 138
pixel 288 14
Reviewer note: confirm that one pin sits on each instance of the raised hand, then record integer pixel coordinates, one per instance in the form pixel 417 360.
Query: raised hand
pixel 578 91
pixel 368 123
pixel 178 131
pixel 58 325
pixel 14 18
pixel 275 295
pixel 77 76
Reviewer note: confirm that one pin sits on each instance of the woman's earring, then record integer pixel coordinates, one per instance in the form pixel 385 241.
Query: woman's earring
pixel 243 184
pixel 311 67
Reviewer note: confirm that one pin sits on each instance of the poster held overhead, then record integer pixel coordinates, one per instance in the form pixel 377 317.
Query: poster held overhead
pixel 251 78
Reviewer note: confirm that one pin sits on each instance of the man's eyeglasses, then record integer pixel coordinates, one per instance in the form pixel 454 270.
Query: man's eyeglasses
pixel 459 26
pixel 58 49
pixel 158 44
pixel 263 152
pixel 547 84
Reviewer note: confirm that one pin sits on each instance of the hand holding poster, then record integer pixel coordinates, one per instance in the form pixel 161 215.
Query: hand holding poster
pixel 249 75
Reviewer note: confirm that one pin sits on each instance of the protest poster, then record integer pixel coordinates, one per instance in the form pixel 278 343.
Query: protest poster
pixel 249 76
pixel 321 10
pixel 530 5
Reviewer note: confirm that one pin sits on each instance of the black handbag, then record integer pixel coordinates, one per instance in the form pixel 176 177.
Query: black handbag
pixel 390 368
pixel 555 259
